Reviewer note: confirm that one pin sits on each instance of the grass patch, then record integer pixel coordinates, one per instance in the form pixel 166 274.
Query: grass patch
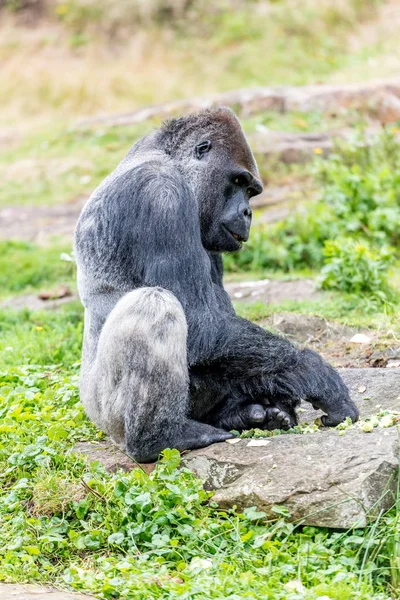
pixel 88 57
pixel 132 535
pixel 46 337
pixel 26 267
pixel 50 168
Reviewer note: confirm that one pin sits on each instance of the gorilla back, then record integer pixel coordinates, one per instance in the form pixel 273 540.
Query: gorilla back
pixel 166 362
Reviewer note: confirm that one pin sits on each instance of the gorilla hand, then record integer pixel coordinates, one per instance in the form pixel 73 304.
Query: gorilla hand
pixel 326 390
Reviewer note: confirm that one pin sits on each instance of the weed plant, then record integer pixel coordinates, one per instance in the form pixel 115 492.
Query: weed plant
pixel 133 535
pixel 352 229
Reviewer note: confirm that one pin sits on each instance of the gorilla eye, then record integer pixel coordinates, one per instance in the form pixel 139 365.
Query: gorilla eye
pixel 202 149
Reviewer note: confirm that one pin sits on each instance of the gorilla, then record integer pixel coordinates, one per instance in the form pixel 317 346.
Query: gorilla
pixel 166 362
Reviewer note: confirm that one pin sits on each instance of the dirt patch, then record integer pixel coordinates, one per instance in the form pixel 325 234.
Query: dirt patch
pixel 34 302
pixel 38 223
pixel 334 341
pixel 272 292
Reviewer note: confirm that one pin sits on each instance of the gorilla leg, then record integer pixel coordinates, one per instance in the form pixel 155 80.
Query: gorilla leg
pixel 138 384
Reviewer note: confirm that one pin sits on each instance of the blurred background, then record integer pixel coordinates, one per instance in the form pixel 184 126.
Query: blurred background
pixel 317 88
pixel 64 60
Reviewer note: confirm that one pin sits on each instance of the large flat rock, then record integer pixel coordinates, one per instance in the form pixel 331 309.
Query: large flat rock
pixel 324 479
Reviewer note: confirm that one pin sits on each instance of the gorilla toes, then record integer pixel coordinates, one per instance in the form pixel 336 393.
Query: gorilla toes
pixel 275 418
pixel 255 414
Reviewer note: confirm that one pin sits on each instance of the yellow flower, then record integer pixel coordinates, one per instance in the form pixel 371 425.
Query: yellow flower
pixel 301 123
pixel 318 151
pixel 62 9
pixel 39 328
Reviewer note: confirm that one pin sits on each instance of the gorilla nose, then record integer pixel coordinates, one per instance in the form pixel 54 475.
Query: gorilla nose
pixel 247 212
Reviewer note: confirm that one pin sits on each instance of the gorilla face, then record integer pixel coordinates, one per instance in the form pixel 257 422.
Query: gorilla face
pixel 226 186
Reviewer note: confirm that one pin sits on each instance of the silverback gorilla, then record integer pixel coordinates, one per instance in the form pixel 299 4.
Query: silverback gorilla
pixel 166 362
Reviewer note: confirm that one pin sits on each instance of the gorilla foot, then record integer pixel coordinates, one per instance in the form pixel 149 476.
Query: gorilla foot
pixel 276 418
pixel 192 435
pixel 241 417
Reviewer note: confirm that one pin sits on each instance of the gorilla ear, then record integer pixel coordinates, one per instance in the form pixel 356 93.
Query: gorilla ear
pixel 202 149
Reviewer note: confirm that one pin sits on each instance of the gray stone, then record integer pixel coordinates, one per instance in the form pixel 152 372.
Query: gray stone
pixel 246 102
pixel 26 591
pixel 109 455
pixel 323 479
pixel 270 291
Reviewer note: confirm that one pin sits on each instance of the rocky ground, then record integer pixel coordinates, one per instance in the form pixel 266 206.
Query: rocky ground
pixel 337 478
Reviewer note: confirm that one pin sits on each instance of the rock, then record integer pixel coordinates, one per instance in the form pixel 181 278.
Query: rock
pixel 62 291
pixel 322 479
pixel 385 107
pixel 27 591
pixel 109 456
pixel 292 147
pixel 360 338
pixel 246 102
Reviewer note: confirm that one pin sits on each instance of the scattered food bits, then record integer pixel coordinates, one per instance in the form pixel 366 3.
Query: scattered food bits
pixel 258 443
pixel 367 427
pixel 360 338
pixel 393 364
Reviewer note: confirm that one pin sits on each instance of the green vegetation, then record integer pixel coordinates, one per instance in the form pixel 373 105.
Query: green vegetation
pixel 352 228
pixel 87 56
pixel 27 267
pixel 159 536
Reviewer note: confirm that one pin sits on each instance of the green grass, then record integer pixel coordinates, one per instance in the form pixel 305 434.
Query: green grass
pixel 54 167
pixel 121 535
pixel 47 337
pixel 138 536
pixel 26 267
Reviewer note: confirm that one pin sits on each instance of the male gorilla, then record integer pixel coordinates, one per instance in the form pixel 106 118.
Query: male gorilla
pixel 166 362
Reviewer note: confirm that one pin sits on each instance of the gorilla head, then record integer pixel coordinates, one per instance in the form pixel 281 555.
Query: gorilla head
pixel 221 171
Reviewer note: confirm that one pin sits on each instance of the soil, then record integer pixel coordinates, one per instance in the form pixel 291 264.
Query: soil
pixel 39 223
pixel 335 341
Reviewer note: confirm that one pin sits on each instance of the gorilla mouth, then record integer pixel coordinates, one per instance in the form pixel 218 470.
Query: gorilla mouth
pixel 236 236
